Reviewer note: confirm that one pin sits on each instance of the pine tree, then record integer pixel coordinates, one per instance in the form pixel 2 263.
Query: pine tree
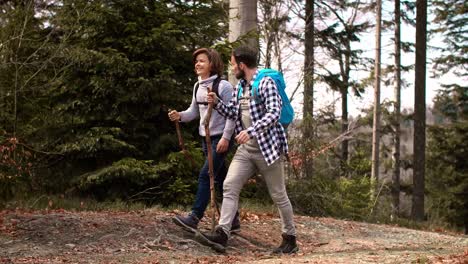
pixel 447 169
pixel 451 21
pixel 419 152
pixel 336 41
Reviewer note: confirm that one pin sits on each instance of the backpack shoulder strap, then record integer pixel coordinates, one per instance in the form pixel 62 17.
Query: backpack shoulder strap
pixel 239 91
pixel 214 88
pixel 196 89
pixel 261 74
pixel 197 85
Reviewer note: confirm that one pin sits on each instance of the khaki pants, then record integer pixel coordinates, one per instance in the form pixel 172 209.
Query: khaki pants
pixel 245 163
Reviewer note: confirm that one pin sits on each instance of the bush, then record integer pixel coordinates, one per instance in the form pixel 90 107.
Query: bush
pixel 321 196
pixel 15 168
pixel 171 181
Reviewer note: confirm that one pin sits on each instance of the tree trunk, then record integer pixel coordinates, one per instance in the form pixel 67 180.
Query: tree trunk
pixel 338 45
pixel 344 128
pixel 268 50
pixel 417 210
pixel 268 31
pixel 397 116
pixel 345 69
pixel 308 107
pixel 242 20
pixel 279 58
pixel 376 120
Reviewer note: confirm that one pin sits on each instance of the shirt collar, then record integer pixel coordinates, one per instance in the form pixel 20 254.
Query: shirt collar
pixel 243 82
pixel 207 81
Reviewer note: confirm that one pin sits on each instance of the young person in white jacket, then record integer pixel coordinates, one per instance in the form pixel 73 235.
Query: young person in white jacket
pixel 209 68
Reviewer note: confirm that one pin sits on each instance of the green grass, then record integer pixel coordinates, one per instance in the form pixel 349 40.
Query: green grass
pixel 54 202
pixel 57 202
pixel 254 205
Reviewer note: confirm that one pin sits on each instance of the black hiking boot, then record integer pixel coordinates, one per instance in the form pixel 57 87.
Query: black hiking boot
pixel 235 226
pixel 288 245
pixel 189 222
pixel 217 240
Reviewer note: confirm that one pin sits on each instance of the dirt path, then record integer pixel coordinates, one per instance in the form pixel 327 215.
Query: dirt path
pixel 150 237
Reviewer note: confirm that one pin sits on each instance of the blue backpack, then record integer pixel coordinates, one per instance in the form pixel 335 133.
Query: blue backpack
pixel 287 111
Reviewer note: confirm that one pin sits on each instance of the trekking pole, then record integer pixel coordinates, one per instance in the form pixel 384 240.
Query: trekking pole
pixel 210 164
pixel 181 143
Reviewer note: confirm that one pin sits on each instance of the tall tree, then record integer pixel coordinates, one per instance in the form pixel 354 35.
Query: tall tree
pixel 272 29
pixel 26 53
pixel 336 41
pixel 377 77
pixel 417 209
pixel 447 169
pixel 397 115
pixel 308 107
pixel 451 21
pixel 243 24
pixel 27 72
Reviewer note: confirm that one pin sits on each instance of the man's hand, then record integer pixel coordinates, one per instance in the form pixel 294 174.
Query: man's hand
pixel 174 115
pixel 222 146
pixel 211 98
pixel 242 137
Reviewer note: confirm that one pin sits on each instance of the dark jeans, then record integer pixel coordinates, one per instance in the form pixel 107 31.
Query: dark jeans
pixel 219 170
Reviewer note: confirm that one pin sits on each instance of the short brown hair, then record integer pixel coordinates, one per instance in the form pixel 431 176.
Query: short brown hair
pixel 217 65
pixel 246 55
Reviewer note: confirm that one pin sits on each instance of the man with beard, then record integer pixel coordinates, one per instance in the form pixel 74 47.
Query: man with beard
pixel 263 145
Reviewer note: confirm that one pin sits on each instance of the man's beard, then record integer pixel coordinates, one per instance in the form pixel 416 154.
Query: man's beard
pixel 240 74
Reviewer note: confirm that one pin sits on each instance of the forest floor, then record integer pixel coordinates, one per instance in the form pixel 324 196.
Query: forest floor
pixel 149 236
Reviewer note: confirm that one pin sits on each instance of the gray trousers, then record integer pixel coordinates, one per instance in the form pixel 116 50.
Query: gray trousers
pixel 244 164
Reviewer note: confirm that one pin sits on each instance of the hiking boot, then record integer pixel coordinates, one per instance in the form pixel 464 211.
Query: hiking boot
pixel 235 226
pixel 217 240
pixel 189 222
pixel 288 245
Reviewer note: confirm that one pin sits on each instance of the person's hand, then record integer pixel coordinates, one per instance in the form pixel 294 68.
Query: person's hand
pixel 174 115
pixel 211 98
pixel 222 146
pixel 242 137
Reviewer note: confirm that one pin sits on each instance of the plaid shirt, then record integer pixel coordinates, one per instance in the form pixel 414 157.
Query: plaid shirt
pixel 265 112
